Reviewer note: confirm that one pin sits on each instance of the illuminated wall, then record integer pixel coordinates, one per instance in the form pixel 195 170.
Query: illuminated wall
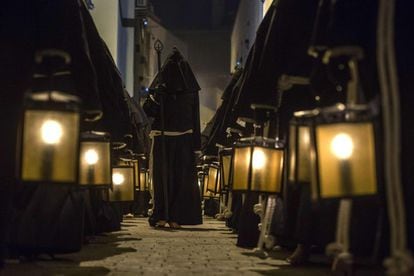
pixel 120 40
pixel 249 16
pixel 106 18
pixel 266 6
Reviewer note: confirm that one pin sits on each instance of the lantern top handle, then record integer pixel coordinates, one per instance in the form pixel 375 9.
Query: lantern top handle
pixel 306 113
pixel 118 145
pixel 231 130
pixel 41 55
pixel 246 120
pixel 353 52
pixel 95 134
pixel 265 107
pixel 344 108
pixel 210 158
pixel 334 109
pixel 260 141
pixel 125 159
pixel 55 96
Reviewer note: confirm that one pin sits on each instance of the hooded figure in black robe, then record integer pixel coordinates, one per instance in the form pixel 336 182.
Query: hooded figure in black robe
pixel 339 24
pixel 215 131
pixel 177 86
pixel 405 60
pixel 27 26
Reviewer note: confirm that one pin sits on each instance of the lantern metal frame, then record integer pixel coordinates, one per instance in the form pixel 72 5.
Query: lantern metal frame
pixel 225 180
pixel 254 143
pixel 103 138
pixel 214 166
pixel 200 178
pixel 139 167
pixel 205 193
pixel 301 119
pixel 342 114
pixel 146 183
pixel 111 190
pixel 53 101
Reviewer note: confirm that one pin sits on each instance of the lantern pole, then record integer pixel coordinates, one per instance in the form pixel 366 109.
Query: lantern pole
pixel 340 248
pixel 266 206
pixel 401 260
pixel 159 47
pixel 267 203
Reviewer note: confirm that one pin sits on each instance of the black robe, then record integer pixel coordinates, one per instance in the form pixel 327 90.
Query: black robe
pixel 181 107
pixel 27 26
pixel 405 60
pixel 343 23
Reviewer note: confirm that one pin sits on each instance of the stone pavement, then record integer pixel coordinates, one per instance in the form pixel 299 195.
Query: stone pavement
pixel 137 249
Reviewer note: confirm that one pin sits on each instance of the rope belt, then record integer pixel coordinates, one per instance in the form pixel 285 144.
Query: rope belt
pixel 154 133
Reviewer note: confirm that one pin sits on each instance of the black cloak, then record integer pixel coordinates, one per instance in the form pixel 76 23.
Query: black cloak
pixel 177 86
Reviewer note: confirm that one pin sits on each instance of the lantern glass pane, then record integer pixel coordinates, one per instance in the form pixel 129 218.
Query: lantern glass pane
pixel 292 153
pixel 346 159
pixel 212 179
pixel 95 163
pixel 206 193
pixel 218 186
pixel 225 165
pixel 136 175
pixel 299 154
pixel 241 164
pixel 50 146
pixel 267 170
pixel 303 154
pixel 143 181
pixel 123 184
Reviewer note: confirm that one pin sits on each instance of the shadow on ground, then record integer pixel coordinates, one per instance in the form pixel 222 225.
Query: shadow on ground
pixel 70 264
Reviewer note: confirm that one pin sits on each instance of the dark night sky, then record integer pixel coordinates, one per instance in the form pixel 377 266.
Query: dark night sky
pixel 191 14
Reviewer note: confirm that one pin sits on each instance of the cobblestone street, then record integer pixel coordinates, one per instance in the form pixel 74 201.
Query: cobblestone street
pixel 207 249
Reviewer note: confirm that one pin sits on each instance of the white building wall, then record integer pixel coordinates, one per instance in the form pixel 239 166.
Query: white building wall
pixel 249 15
pixel 155 31
pixel 106 17
pixel 125 60
pixel 119 39
pixel 266 6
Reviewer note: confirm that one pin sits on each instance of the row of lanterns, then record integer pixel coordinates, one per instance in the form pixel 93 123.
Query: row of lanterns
pixel 54 151
pixel 333 148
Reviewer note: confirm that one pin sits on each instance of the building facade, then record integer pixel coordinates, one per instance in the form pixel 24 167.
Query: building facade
pixel 249 16
pixel 130 30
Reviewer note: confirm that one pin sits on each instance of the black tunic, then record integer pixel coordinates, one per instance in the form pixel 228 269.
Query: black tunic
pixel 181 114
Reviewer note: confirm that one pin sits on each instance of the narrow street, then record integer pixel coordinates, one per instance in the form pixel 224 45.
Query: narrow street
pixel 208 249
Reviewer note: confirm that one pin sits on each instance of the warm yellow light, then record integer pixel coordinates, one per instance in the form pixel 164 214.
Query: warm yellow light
pixel 259 159
pixel 342 146
pixel 305 138
pixel 118 178
pixel 51 132
pixel 91 157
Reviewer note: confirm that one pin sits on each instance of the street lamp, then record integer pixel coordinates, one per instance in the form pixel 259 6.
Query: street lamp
pixel 49 145
pixel 95 159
